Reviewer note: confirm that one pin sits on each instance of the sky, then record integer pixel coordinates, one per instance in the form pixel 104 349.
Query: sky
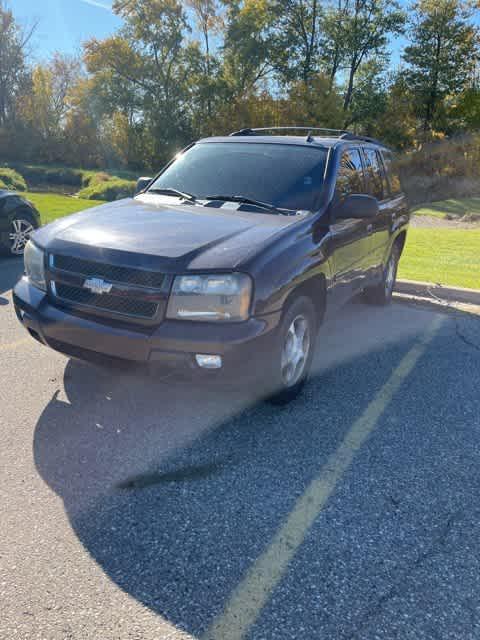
pixel 64 24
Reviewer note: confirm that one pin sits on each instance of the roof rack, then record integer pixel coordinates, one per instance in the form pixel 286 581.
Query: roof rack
pixel 326 132
pixel 342 134
pixel 353 136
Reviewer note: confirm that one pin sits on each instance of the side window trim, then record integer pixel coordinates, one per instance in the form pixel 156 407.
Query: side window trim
pixel 384 173
pixel 349 151
pixel 362 162
pixel 389 173
pixel 381 168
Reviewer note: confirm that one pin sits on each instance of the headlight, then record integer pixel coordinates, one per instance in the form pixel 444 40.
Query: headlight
pixel 33 258
pixel 210 297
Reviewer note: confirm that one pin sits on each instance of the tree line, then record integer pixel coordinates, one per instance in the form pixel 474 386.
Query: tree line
pixel 176 71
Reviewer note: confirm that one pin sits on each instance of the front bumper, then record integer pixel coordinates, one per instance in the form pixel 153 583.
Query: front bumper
pixel 244 346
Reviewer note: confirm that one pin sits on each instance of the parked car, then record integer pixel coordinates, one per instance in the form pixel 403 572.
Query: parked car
pixel 225 263
pixel 18 219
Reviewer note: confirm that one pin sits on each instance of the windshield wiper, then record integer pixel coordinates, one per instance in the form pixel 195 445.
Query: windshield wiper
pixel 244 200
pixel 173 192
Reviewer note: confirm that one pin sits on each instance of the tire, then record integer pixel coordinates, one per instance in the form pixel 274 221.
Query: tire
pixel 286 379
pixel 21 226
pixel 382 293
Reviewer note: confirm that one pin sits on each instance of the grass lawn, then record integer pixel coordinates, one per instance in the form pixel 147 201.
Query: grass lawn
pixel 454 208
pixel 446 256
pixel 55 205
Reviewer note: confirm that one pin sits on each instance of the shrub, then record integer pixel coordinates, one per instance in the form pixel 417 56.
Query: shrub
pixel 442 170
pixel 38 174
pixel 97 178
pixel 11 179
pixel 113 189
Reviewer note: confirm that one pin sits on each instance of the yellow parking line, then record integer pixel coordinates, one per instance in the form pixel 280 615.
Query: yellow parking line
pixel 254 590
pixel 13 345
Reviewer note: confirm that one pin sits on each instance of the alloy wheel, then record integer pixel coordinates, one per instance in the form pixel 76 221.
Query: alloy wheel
pixel 295 351
pixel 20 233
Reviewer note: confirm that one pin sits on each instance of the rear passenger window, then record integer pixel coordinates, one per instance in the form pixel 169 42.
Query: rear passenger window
pixel 350 177
pixel 392 173
pixel 375 175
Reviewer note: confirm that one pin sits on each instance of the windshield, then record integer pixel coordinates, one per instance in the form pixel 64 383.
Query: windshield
pixel 287 176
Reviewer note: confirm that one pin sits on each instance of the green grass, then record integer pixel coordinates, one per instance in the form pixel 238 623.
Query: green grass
pixel 453 208
pixel 53 205
pixel 446 256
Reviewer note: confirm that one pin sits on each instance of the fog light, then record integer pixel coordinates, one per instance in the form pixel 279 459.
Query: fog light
pixel 208 362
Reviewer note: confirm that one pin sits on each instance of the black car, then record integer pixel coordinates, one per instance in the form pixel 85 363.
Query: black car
pixel 223 265
pixel 18 220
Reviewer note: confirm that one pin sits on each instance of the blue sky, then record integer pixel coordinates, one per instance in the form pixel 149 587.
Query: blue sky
pixel 64 24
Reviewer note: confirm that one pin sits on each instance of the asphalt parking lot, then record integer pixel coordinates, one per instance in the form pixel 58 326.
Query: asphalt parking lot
pixel 132 508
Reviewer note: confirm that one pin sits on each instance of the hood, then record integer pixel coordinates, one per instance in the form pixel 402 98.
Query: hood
pixel 165 234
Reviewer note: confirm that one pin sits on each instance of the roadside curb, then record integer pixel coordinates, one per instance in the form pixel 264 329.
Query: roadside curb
pixel 438 292
pixel 436 304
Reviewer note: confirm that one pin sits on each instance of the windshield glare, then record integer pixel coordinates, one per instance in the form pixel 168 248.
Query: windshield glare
pixel 286 176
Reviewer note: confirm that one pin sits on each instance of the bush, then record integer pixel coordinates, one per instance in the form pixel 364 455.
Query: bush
pixel 38 174
pixel 113 189
pixel 442 170
pixel 11 179
pixel 97 178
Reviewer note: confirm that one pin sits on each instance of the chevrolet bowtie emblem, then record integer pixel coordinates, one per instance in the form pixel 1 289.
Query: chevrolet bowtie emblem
pixel 97 285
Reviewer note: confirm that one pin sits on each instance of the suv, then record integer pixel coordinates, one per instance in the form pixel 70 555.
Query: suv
pixel 225 263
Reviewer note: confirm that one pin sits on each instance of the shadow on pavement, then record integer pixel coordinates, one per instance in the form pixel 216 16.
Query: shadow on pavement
pixel 175 491
pixel 11 270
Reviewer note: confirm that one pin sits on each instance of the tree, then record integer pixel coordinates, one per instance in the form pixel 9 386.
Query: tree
pixel 313 103
pixel 247 45
pixel 361 33
pixel 369 98
pixel 442 54
pixel 147 58
pixel 203 65
pixel 45 106
pixel 297 38
pixel 13 74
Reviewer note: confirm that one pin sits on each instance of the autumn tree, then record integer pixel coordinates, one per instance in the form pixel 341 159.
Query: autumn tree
pixel 13 73
pixel 298 30
pixel 441 56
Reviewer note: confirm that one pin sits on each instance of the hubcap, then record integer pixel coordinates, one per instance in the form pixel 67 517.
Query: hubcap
pixel 19 235
pixel 295 351
pixel 390 276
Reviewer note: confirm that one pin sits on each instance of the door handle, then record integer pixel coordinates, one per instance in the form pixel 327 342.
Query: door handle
pixel 369 228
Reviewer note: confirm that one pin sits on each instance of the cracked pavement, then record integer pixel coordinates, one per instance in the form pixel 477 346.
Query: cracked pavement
pixel 132 508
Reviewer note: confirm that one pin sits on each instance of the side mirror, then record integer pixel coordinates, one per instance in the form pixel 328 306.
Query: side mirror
pixel 142 183
pixel 357 206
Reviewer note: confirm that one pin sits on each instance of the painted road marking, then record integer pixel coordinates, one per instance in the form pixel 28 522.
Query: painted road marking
pixel 13 345
pixel 255 589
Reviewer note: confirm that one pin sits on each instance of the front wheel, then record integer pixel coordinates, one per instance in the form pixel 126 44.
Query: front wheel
pixel 294 351
pixel 382 293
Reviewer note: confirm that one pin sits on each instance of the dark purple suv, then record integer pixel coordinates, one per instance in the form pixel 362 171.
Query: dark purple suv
pixel 224 264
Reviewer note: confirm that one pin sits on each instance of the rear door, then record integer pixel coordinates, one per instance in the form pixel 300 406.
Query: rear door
pixel 351 256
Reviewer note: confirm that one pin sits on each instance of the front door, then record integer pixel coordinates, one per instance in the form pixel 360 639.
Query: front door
pixel 351 238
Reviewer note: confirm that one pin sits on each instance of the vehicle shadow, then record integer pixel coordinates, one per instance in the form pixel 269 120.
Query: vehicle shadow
pixel 11 270
pixel 174 491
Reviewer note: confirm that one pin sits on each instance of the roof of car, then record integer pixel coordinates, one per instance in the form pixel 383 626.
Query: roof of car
pixel 307 141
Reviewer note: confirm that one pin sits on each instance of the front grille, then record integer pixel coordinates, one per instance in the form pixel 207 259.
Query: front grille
pixel 106 302
pixel 110 272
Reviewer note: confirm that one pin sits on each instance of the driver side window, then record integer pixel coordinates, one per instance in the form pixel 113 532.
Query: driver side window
pixel 350 178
